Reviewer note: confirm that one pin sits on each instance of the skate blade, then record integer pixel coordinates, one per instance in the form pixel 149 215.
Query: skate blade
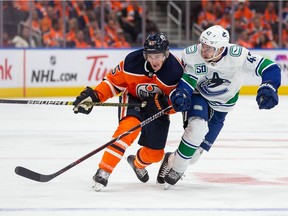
pixel 160 185
pixel 166 186
pixel 97 186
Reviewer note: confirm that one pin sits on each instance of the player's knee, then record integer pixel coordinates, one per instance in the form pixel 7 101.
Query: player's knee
pixel 126 124
pixel 196 130
pixel 151 155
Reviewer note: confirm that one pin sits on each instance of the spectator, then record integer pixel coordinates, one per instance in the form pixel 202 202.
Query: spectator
pixel 207 17
pixel 92 29
pixel 244 40
pixel 12 17
pixel 6 40
pixel 270 13
pixel 46 22
pixel 243 12
pixel 23 5
pixel 265 42
pixel 111 31
pixel 54 37
pixel 35 21
pixel 121 41
pixel 107 10
pixel 131 19
pixel 80 40
pixel 99 41
pixel 225 20
pixel 82 17
pixel 271 17
pixel 71 34
pixel 22 40
pixel 238 27
pixel 41 8
pixel 257 28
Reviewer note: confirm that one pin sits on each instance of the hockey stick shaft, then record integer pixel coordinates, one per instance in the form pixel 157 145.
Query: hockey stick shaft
pixel 27 173
pixel 49 102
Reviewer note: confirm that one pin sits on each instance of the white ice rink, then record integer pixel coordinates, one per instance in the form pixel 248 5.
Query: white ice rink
pixel 245 173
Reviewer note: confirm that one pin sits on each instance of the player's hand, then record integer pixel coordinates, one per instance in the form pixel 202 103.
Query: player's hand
pixel 267 96
pixel 83 102
pixel 180 100
pixel 156 103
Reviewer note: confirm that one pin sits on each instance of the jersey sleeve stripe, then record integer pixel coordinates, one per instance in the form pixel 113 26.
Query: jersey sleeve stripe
pixel 257 68
pixel 266 63
pixel 111 87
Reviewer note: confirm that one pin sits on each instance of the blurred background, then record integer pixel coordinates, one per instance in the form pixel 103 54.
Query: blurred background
pixel 125 24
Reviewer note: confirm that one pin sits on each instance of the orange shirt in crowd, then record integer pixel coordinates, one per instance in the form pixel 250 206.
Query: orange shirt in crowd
pixel 245 14
pixel 205 18
pixel 81 44
pixel 270 17
pixel 53 38
pixel 70 36
pixel 100 44
pixel 121 44
pixel 246 44
pixel 23 5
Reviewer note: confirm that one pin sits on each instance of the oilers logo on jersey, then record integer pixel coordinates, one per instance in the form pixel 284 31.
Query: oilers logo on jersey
pixel 145 90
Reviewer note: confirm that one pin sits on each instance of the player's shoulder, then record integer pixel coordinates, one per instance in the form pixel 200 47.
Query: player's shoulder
pixel 134 56
pixel 236 51
pixel 134 61
pixel 171 71
pixel 173 62
pixel 191 50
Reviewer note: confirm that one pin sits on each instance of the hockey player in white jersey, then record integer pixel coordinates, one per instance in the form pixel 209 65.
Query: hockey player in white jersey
pixel 208 90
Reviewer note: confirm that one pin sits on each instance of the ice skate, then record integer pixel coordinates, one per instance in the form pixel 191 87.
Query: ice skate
pixel 172 178
pixel 100 179
pixel 164 168
pixel 141 174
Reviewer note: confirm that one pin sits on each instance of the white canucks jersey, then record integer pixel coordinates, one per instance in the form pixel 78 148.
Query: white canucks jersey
pixel 220 82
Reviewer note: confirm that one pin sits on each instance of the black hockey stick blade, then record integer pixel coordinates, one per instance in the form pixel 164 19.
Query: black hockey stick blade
pixel 22 171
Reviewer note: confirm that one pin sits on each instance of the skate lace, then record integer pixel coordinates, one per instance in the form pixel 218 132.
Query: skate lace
pixel 165 169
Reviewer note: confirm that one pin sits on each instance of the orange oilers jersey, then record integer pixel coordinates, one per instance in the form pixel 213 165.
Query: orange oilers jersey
pixel 135 75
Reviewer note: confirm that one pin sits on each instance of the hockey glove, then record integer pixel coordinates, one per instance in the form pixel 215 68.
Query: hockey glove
pixel 156 103
pixel 267 96
pixel 88 95
pixel 180 100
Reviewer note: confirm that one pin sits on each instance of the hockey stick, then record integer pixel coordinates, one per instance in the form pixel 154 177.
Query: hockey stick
pixel 27 173
pixel 45 102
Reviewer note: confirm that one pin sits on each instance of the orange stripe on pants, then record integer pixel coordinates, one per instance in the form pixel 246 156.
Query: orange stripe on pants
pixel 146 156
pixel 114 153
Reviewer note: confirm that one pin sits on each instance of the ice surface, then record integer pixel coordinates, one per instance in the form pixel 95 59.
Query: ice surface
pixel 245 173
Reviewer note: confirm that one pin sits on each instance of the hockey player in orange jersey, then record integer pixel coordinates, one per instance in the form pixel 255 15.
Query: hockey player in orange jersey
pixel 147 74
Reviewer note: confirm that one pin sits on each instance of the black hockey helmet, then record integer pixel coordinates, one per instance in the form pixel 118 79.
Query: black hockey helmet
pixel 156 43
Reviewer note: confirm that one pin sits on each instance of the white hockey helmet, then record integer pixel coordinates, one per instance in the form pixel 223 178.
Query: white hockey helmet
pixel 215 36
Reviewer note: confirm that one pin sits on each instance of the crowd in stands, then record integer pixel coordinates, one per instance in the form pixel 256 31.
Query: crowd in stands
pixel 122 23
pixel 256 24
